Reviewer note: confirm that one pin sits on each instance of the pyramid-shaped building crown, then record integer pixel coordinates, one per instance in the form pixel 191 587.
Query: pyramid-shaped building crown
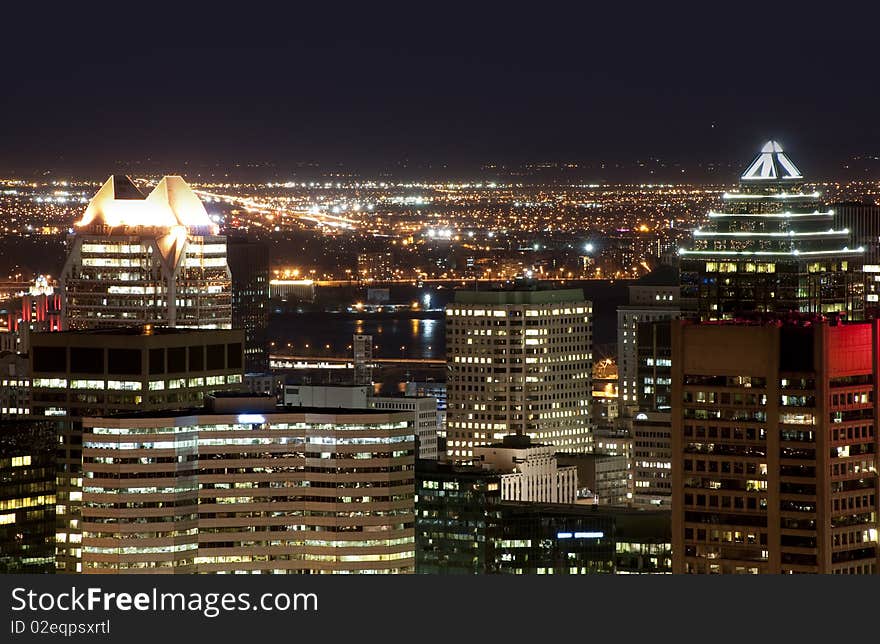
pixel 771 164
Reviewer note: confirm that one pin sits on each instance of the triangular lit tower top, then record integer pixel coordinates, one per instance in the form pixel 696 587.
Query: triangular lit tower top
pixel 771 165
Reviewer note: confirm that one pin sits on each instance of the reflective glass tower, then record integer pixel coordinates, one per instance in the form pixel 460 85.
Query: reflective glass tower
pixel 773 247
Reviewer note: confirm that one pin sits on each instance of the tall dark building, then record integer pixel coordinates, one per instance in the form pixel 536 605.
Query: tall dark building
pixel 863 222
pixel 75 374
pixel 773 247
pixel 654 365
pixel 249 262
pixel 27 496
pixel 774 447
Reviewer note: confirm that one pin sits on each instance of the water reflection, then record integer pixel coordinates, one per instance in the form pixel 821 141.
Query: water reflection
pixel 329 334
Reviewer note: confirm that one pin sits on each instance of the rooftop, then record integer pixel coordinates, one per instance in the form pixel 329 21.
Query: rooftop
pixel 771 164
pixel 534 294
pixel 170 204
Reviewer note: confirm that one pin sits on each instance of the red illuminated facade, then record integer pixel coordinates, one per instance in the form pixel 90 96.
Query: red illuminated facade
pixel 774 447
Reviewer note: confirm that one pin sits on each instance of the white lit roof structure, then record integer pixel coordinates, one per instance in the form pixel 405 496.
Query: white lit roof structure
pixel 171 203
pixel 772 164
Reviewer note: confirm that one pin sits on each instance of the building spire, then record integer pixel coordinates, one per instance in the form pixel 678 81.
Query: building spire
pixel 772 164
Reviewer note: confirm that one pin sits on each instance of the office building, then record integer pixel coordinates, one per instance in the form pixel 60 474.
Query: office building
pixel 311 490
pixel 423 410
pixel 376 266
pixel 464 527
pixel 774 447
pixel 519 362
pixel 603 479
pixel 35 310
pixel 647 303
pixel 75 374
pixel 292 290
pixel 249 264
pixel 27 496
pixel 15 386
pixel 652 459
pixel 528 471
pixel 362 346
pixel 773 247
pixel 863 222
pixel 155 259
pixel 437 391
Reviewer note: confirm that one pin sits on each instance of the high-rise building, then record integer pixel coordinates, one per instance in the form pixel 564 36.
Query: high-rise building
pixel 249 264
pixel 646 303
pixel 863 222
pixel 519 361
pixel 311 490
pixel 437 391
pixel 27 496
pixel 155 259
pixel 774 447
pixel 106 371
pixel 423 409
pixel 652 459
pixel 362 346
pixel 15 386
pixel 773 247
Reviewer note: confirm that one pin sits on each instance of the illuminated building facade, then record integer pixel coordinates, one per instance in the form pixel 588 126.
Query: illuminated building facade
pixel 774 447
pixel 773 248
pixel 463 527
pixel 422 409
pixel 15 386
pixel 249 265
pixel 646 303
pixel 528 471
pixel 27 496
pixel 106 371
pixel 155 259
pixel 519 361
pixel 246 487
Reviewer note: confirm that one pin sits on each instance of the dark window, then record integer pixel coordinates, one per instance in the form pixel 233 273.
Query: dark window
pixel 50 359
pixel 233 355
pixel 177 360
pixel 124 361
pixel 197 358
pixel 216 356
pixel 88 360
pixel 157 361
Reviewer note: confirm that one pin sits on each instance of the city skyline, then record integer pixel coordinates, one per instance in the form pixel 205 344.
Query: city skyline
pixel 455 290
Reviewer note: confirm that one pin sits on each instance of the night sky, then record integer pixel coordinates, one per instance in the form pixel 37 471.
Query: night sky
pixel 90 89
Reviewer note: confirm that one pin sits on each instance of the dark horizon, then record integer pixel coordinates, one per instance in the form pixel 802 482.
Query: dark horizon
pixel 293 92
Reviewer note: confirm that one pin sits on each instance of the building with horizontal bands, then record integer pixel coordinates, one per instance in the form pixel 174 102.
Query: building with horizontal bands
pixel 244 487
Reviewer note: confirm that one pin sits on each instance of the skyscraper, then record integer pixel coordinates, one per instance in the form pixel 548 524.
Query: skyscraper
pixel 311 490
pixel 647 302
pixel 774 447
pixel 772 248
pixel 519 361
pixel 154 259
pixel 249 265
pixel 107 371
